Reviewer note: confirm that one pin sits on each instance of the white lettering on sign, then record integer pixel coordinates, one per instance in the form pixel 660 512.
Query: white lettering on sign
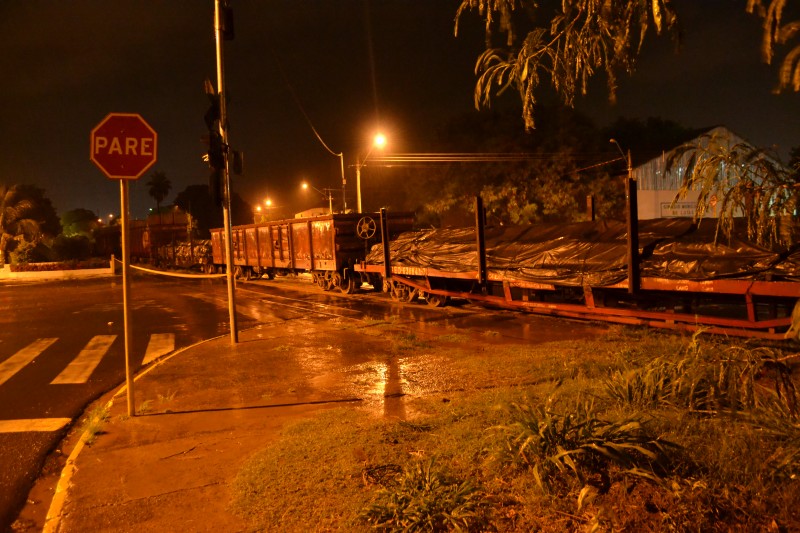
pixel 133 146
pixel 99 144
pixel 115 147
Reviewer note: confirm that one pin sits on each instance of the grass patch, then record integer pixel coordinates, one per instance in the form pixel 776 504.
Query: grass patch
pixel 93 424
pixel 634 431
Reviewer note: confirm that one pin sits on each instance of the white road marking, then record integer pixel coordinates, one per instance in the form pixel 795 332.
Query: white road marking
pixel 16 362
pixel 33 424
pixel 160 344
pixel 79 370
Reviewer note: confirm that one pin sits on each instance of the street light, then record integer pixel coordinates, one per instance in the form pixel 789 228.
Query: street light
pixel 328 195
pixel 379 141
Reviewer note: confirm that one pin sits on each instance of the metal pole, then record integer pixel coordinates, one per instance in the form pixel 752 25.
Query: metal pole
pixel 631 196
pixel 226 200
pixel 126 259
pixel 344 182
pixel 330 203
pixel 358 186
pixel 387 255
pixel 480 224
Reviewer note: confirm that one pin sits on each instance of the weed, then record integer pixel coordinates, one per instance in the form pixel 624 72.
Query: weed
pixel 408 341
pixel 93 424
pixel 453 337
pixel 145 407
pixel 165 399
pixel 579 443
pixel 282 348
pixel 423 497
pixel 704 378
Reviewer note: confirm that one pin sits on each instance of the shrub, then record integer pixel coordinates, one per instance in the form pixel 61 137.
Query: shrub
pixel 28 252
pixel 77 247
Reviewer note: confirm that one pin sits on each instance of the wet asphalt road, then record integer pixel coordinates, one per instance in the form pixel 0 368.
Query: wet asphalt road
pixel 71 313
pixel 66 319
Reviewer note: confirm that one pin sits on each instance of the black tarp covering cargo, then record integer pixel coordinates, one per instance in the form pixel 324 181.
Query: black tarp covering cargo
pixel 592 253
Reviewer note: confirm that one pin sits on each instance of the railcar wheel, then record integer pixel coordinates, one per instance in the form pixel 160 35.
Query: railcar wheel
pixel 209 268
pixel 436 300
pixel 328 282
pixel 336 282
pixel 237 272
pixel 402 293
pixel 351 285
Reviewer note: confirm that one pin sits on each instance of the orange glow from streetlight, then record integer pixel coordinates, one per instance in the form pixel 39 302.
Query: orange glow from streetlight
pixel 380 140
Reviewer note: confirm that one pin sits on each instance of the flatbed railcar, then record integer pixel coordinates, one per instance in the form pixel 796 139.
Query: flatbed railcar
pixel 688 279
pixel 327 246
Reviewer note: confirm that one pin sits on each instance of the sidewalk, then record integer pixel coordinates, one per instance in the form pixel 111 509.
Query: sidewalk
pixel 200 414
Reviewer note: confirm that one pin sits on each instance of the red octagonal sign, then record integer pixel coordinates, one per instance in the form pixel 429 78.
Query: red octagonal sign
pixel 123 146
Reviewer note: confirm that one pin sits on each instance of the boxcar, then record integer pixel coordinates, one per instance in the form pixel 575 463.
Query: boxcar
pixel 327 247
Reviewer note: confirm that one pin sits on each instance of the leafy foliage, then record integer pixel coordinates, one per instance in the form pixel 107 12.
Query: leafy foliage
pixel 778 33
pixel 25 216
pixel 739 180
pixel 579 443
pixel 582 38
pixel 79 222
pixel 550 184
pixel 158 187
pixel 425 498
pixel 196 200
pixel 703 378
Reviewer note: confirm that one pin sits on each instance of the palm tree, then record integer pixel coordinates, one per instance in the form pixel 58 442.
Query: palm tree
pixel 15 224
pixel 158 187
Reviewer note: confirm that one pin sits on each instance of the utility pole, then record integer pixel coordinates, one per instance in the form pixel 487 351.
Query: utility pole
pixel 223 30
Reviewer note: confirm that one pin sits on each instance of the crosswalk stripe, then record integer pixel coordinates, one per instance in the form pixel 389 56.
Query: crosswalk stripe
pixel 16 362
pixel 159 344
pixel 79 370
pixel 33 424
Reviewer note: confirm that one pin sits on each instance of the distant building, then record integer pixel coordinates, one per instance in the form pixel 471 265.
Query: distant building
pixel 657 187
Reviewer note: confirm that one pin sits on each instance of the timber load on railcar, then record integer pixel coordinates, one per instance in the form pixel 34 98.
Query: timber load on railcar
pixel 688 277
pixel 327 247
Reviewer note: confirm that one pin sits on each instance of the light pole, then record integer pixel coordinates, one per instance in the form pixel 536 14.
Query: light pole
pixel 340 155
pixel 328 195
pixel 268 204
pixel 378 142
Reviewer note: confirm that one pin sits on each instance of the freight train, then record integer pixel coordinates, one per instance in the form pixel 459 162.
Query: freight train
pixel 686 276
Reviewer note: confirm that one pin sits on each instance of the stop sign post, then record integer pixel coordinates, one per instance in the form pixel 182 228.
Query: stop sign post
pixel 124 146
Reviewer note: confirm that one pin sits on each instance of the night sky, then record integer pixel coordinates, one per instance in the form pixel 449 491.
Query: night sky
pixel 353 66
